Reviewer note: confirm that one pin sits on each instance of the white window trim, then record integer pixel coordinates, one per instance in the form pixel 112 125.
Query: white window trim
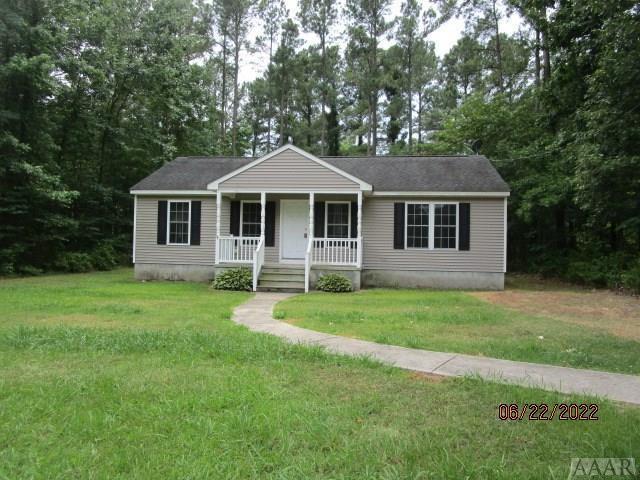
pixel 326 217
pixel 432 229
pixel 406 225
pixel 242 202
pixel 169 202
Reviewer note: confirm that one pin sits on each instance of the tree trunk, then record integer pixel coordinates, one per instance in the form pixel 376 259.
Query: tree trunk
pixel 410 99
pixel 545 58
pixel 561 236
pixel 254 142
pixel 537 55
pixel 369 126
pixel 374 98
pixel 269 103
pixel 282 115
pixel 498 49
pixel 223 100
pixel 419 116
pixel 236 101
pixel 323 86
pixel 309 121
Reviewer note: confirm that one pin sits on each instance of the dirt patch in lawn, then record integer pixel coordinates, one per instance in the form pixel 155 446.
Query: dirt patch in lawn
pixel 616 314
pixel 427 377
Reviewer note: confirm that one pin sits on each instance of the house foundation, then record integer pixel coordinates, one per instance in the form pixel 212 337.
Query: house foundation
pixel 433 279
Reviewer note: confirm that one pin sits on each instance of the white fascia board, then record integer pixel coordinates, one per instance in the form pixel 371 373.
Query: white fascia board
pixel 284 191
pixel 441 194
pixel 172 192
pixel 364 186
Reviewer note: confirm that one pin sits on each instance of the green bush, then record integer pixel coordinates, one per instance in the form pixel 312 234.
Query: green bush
pixel 334 282
pixel 74 262
pixel 631 278
pixel 594 270
pixel 234 279
pixel 29 270
pixel 104 257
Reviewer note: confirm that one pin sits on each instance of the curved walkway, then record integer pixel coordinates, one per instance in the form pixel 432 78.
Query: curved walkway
pixel 256 314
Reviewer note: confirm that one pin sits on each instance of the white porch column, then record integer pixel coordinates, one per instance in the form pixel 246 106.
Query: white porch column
pixel 263 206
pixel 359 228
pixel 309 253
pixel 218 214
pixel 311 203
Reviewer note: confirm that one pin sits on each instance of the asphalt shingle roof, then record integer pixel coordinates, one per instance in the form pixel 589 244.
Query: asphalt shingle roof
pixel 386 173
pixel 190 173
pixel 424 174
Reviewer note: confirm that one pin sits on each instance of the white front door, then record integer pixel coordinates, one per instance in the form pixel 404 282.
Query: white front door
pixel 294 223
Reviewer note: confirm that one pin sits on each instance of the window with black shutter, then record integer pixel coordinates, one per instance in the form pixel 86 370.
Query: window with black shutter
pixel 318 219
pixel 196 207
pixel 162 222
pixel 338 219
pixel 464 222
pixel 398 226
pixel 179 222
pixel 270 224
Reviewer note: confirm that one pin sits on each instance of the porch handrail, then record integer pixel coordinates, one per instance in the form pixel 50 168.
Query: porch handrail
pixel 232 249
pixel 336 251
pixel 307 264
pixel 258 262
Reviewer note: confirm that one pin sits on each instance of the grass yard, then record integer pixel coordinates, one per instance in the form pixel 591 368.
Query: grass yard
pixel 104 377
pixel 530 321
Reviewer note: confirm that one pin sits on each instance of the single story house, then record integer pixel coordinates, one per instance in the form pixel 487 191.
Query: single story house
pixel 290 216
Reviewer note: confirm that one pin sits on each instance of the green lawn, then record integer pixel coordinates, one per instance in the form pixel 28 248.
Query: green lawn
pixel 457 322
pixel 104 377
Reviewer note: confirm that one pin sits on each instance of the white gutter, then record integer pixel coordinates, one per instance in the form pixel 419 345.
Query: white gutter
pixel 441 194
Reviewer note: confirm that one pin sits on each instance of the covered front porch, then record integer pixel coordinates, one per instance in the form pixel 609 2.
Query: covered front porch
pixel 292 234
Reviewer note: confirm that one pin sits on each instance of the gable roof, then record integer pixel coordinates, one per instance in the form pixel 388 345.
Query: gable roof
pixel 445 174
pixel 336 169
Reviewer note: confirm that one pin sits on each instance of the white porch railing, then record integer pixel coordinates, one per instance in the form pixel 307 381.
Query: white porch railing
pixel 258 262
pixel 336 251
pixel 237 249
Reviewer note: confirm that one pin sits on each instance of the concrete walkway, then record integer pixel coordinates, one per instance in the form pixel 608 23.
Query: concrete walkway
pixel 256 314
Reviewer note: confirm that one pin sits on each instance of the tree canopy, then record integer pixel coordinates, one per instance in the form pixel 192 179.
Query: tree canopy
pixel 96 95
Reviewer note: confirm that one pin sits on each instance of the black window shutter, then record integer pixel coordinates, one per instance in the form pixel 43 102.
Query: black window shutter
pixel 270 224
pixel 234 226
pixel 196 207
pixel 464 223
pixel 398 226
pixel 318 219
pixel 162 222
pixel 354 219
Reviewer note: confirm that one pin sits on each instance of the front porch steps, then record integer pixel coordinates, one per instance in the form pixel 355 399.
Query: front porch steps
pixel 281 278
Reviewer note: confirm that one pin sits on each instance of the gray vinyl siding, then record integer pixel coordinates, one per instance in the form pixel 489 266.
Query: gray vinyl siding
pixel 147 249
pixel 289 171
pixel 485 255
pixel 486 252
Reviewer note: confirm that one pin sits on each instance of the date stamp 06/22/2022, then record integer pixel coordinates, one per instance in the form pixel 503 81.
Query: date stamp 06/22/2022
pixel 544 411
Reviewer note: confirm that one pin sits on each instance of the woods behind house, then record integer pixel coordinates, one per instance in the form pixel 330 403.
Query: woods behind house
pixel 96 95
